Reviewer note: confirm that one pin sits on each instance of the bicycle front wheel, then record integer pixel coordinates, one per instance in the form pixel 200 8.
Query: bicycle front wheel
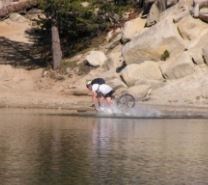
pixel 125 101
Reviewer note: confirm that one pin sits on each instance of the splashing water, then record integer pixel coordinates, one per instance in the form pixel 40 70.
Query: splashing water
pixel 136 111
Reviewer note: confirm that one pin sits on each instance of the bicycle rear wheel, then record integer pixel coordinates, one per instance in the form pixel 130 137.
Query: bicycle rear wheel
pixel 125 101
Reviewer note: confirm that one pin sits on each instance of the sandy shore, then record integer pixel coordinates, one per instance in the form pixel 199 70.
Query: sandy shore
pixel 141 112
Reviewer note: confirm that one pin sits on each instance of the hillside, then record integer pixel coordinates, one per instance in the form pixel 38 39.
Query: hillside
pixel 166 64
pixel 21 86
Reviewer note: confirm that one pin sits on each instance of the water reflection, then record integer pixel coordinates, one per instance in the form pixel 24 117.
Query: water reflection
pixel 63 150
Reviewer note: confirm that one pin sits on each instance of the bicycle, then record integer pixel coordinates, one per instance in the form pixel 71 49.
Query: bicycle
pixel 120 104
pixel 125 102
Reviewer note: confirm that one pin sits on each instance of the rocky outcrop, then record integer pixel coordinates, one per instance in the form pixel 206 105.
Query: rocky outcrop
pixel 200 9
pixel 152 43
pixel 16 6
pixel 205 55
pixel 197 49
pixel 191 29
pixel 148 70
pixel 161 61
pixel 115 57
pixel 177 67
pixel 203 14
pixel 132 28
pixel 140 91
pixel 96 58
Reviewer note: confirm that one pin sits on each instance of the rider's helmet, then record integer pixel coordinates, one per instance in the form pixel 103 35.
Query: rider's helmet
pixel 88 83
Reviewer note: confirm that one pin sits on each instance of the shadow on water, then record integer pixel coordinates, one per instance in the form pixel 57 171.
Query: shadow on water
pixel 20 54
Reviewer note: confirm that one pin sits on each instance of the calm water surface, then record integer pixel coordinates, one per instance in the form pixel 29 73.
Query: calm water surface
pixel 63 150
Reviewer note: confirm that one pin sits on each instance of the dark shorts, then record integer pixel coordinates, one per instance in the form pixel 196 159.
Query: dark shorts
pixel 110 94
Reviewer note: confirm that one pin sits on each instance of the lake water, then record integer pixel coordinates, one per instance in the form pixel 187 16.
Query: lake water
pixel 62 150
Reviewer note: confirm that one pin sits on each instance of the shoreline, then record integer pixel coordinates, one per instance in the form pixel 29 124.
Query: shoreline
pixel 159 111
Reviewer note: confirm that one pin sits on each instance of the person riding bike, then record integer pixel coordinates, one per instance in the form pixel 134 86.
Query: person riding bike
pixel 101 92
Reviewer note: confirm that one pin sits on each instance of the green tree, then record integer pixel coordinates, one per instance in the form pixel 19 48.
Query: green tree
pixel 78 20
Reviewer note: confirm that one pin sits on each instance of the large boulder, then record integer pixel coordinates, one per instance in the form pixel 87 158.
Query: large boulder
pixel 116 83
pixel 205 55
pixel 131 28
pixel 200 9
pixel 152 83
pixel 203 14
pixel 112 34
pixel 153 16
pixel 180 8
pixel 96 58
pixel 115 57
pixel 139 91
pixel 114 42
pixel 190 89
pixel 16 17
pixel 191 29
pixel 197 50
pixel 178 67
pixel 148 70
pixel 152 43
pixel 196 54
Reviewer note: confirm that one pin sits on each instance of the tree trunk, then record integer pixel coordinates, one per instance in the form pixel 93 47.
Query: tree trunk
pixel 4 11
pixel 56 47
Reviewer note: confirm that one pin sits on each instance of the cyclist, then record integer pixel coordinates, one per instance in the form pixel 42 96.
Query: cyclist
pixel 101 92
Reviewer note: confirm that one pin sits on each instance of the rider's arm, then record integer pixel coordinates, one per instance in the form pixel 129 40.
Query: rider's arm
pixel 94 98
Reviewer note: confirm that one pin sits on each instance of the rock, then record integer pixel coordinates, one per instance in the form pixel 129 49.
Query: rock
pixel 35 14
pixel 204 10
pixel 35 11
pixel 180 16
pixel 197 48
pixel 147 70
pixel 153 15
pixel 139 91
pixel 178 67
pixel 203 14
pixel 152 83
pixel 15 17
pixel 112 34
pixel 152 43
pixel 196 55
pixel 200 9
pixel 131 28
pixel 156 10
pixel 177 12
pixel 116 83
pixel 205 55
pixel 115 41
pixel 96 58
pixel 191 29
pixel 183 89
pixel 115 57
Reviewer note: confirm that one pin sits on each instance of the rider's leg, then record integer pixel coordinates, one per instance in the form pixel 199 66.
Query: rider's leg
pixel 101 100
pixel 109 100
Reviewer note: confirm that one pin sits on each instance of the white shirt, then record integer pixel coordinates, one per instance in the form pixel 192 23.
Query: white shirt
pixel 103 88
